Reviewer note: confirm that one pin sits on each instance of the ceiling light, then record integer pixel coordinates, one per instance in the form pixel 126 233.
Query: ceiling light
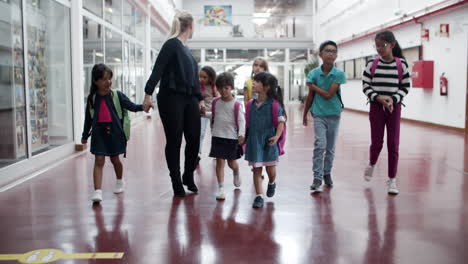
pixel 263 15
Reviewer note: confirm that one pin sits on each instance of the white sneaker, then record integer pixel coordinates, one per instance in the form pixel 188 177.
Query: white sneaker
pixel 220 194
pixel 119 186
pixel 392 187
pixel 368 172
pixel 237 180
pixel 97 196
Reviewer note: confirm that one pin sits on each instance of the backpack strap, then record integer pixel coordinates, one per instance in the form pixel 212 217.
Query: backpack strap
pixel 399 69
pixel 247 112
pixel 236 113
pixel 274 115
pixel 374 66
pixel 213 90
pixel 274 112
pixel 202 87
pixel 213 107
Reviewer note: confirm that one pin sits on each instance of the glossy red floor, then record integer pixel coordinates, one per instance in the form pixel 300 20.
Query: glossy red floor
pixel 355 222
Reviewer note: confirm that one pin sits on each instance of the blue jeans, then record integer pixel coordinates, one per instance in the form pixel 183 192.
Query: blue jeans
pixel 326 130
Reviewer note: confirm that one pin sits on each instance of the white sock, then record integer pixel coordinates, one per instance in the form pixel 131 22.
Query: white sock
pixel 260 195
pixel 221 184
pixel 271 183
pixel 119 180
pixel 98 190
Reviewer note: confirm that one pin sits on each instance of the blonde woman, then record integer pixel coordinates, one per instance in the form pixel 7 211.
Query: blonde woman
pixel 259 65
pixel 180 101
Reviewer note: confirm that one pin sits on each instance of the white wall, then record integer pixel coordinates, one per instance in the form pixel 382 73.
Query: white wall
pixel 421 104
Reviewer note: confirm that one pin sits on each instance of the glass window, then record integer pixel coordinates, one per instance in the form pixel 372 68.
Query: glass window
pixel 93 6
pixel 196 53
pixel 246 55
pixel 359 67
pixel 49 74
pixel 276 55
pixel 13 143
pixel 113 12
pixel 93 49
pixel 128 18
pixel 298 55
pixel 140 26
pixel 113 57
pixel 214 55
pixel 140 73
pixel 340 65
pixel 411 55
pixel 349 69
pixel 156 37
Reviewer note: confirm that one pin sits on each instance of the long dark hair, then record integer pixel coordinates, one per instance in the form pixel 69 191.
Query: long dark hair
pixel 211 74
pixel 388 36
pixel 97 73
pixel 275 92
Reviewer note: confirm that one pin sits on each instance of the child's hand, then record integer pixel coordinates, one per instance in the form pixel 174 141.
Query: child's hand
pixel 241 140
pixel 304 120
pixel 202 108
pixel 273 140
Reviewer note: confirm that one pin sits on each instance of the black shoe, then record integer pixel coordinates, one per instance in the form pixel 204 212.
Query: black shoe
pixel 178 189
pixel 328 180
pixel 271 190
pixel 316 186
pixel 187 179
pixel 258 202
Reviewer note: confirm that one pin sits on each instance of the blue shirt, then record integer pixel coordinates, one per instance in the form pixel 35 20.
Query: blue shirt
pixel 321 106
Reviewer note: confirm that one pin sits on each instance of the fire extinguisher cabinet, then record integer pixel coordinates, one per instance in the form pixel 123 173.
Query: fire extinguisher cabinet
pixel 423 74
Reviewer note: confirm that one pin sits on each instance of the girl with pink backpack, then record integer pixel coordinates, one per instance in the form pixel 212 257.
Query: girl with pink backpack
pixel 266 127
pixel 385 82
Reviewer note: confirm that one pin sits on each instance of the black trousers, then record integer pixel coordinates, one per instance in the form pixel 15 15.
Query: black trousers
pixel 180 114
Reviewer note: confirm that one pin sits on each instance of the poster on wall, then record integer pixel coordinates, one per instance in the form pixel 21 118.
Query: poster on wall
pixel 218 15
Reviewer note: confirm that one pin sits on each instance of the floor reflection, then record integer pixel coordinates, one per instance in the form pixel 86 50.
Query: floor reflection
pixel 111 239
pixel 233 239
pixel 380 250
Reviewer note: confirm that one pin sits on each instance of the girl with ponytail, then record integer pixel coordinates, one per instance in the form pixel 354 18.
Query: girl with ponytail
pixel 180 101
pixel 265 121
pixel 385 82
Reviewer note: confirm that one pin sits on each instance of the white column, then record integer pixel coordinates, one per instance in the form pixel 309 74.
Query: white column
pixel 77 68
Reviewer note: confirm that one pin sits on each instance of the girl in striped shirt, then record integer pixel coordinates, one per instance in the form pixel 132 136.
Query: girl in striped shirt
pixel 385 82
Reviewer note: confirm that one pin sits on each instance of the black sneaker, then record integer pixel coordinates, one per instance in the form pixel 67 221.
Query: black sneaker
pixel 271 190
pixel 328 180
pixel 316 186
pixel 258 202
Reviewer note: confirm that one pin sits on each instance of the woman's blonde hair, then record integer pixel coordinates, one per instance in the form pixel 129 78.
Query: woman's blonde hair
pixel 182 21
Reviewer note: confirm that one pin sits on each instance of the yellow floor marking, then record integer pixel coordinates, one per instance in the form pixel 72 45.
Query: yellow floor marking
pixel 41 256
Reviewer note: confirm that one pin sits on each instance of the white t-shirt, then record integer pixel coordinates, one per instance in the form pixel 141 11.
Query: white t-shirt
pixel 224 125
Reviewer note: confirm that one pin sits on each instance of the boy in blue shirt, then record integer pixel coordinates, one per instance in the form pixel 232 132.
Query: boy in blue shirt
pixel 324 96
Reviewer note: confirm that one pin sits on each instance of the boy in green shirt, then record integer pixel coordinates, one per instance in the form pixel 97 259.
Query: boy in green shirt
pixel 324 96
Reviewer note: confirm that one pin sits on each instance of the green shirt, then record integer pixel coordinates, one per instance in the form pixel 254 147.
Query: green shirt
pixel 321 106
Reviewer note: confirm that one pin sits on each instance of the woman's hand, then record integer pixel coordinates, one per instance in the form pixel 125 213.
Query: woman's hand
pixel 84 141
pixel 241 140
pixel 147 103
pixel 202 107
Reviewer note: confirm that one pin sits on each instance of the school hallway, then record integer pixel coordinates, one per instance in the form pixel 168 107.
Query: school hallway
pixel 355 222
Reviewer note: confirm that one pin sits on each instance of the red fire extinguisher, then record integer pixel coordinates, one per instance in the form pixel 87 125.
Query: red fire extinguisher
pixel 443 85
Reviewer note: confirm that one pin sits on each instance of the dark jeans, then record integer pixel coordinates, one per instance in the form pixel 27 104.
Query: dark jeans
pixel 379 119
pixel 180 114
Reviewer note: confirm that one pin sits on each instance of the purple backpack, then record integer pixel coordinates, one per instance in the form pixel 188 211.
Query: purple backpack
pixel 398 65
pixel 274 116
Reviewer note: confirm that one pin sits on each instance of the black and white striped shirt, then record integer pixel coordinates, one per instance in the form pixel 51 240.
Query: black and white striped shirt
pixel 385 80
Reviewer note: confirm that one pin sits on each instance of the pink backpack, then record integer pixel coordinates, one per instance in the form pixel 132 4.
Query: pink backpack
pixel 213 89
pixel 398 65
pixel 236 111
pixel 274 116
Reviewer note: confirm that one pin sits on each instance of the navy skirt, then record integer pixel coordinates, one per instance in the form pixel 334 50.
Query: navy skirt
pixel 225 148
pixel 106 141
